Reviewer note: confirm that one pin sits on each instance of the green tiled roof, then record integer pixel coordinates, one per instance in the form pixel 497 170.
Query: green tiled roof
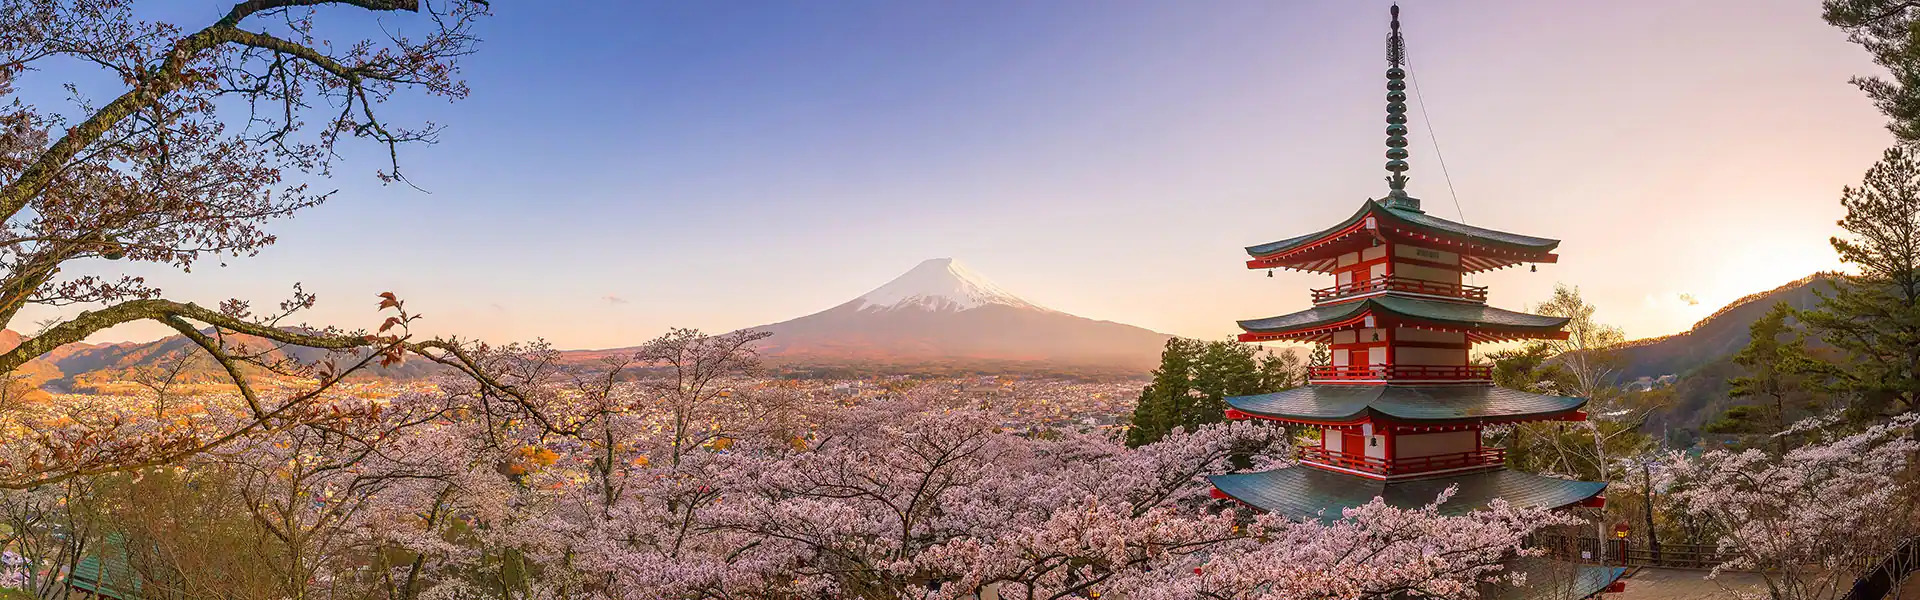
pixel 1292 242
pixel 1437 311
pixel 110 578
pixel 1549 579
pixel 1302 492
pixel 1418 220
pixel 1426 221
pixel 1432 403
pixel 1318 315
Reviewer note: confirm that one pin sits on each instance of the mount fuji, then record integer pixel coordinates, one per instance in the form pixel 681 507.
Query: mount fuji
pixel 941 312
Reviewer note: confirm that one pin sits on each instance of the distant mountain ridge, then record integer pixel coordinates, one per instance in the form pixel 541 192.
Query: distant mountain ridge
pixel 80 367
pixel 940 317
pixel 1702 357
pixel 1716 337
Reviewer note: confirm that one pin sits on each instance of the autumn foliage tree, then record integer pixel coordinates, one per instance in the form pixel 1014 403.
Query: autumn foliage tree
pixel 201 143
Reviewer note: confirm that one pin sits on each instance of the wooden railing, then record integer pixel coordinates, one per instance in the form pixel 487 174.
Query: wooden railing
pixel 1417 464
pixel 1629 552
pixel 1401 284
pixel 1387 372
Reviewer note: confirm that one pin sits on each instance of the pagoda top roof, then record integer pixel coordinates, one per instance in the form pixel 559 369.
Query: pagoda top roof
pixel 1307 493
pixel 1446 314
pixel 1425 404
pixel 1398 215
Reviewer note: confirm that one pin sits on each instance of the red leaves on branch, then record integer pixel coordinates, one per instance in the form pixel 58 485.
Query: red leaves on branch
pixel 395 351
pixel 392 355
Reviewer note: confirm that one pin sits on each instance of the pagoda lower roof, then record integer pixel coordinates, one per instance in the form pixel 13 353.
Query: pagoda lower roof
pixel 1409 404
pixel 1485 248
pixel 1309 493
pixel 1440 314
pixel 1548 578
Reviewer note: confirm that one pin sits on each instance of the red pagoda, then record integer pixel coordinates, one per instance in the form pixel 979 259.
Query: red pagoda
pixel 1399 412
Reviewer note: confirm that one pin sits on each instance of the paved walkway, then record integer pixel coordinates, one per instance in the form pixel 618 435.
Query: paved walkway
pixel 1684 584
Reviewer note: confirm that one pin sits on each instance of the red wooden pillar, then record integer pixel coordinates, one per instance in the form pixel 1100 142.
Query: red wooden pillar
pixel 1386 445
pixel 1388 248
pixel 1389 327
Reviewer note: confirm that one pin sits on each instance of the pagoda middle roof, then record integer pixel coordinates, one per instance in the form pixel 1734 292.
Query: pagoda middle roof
pixel 1549 578
pixel 1306 493
pixel 1462 314
pixel 1427 404
pixel 1418 220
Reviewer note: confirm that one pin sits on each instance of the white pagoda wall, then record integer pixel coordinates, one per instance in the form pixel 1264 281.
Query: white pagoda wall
pixel 1425 272
pixel 1431 444
pixel 1430 356
pixel 1376 446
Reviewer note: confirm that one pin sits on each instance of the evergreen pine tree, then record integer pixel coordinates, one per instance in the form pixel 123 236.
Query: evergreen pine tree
pixel 1873 318
pixel 1778 373
pixel 1279 371
pixel 1195 379
pixel 1157 411
pixel 1527 368
pixel 1885 28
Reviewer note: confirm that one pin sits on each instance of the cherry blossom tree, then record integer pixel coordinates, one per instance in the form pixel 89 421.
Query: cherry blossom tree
pixel 1813 520
pixel 543 479
pixel 920 495
pixel 199 144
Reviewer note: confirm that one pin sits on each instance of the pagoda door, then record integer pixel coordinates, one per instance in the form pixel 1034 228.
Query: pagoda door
pixel 1357 361
pixel 1352 443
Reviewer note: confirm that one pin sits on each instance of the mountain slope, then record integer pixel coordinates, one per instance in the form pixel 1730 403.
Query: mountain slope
pixel 938 318
pixel 1716 337
pixel 1702 357
pixel 943 312
pixel 80 367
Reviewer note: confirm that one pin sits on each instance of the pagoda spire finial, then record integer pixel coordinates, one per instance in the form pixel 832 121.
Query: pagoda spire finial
pixel 1397 118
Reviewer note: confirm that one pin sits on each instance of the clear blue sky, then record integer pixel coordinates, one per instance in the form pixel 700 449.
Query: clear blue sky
pixel 623 167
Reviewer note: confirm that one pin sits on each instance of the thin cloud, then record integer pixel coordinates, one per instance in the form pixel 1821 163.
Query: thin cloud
pixel 612 299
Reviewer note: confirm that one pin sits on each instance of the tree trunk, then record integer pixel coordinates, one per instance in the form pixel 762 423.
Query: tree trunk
pixel 1653 534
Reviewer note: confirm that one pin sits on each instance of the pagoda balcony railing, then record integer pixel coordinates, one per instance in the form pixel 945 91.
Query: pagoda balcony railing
pixel 1404 465
pixel 1409 285
pixel 1336 373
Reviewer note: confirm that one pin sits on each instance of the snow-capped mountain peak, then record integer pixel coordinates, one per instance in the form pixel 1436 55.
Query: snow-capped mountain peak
pixel 942 313
pixel 940 284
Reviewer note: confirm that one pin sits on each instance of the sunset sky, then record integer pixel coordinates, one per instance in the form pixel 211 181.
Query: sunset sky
pixel 624 167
